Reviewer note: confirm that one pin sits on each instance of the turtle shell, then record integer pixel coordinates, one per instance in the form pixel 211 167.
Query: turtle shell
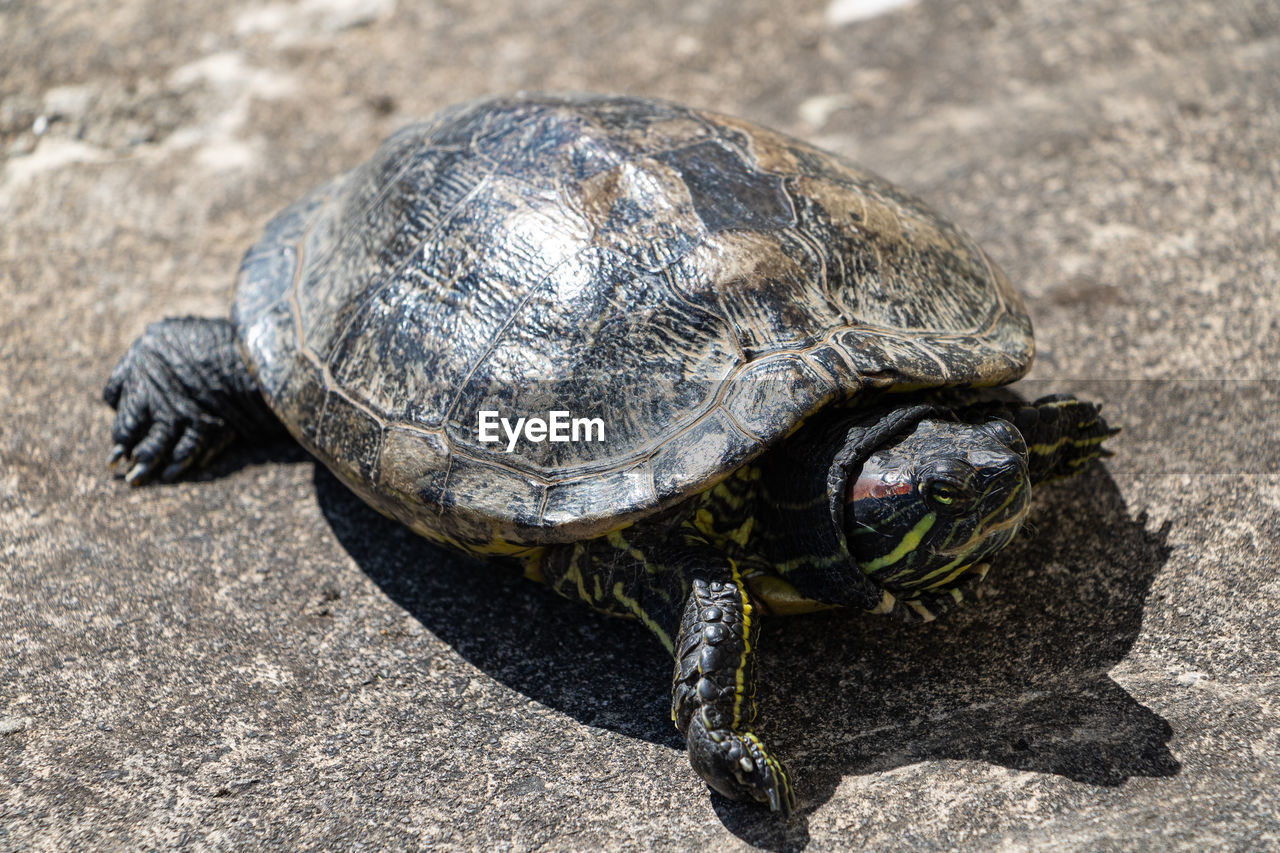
pixel 698 283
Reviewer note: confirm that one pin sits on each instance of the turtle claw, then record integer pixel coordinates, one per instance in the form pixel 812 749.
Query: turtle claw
pixel 163 424
pixel 174 471
pixel 737 765
pixel 165 459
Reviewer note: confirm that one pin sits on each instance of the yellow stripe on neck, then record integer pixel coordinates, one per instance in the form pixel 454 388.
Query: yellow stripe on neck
pixel 909 543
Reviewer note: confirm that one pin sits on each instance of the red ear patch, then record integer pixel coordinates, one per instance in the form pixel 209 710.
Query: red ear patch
pixel 871 484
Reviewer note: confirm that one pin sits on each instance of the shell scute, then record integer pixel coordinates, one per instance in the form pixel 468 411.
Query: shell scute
pixel 354 435
pixel 576 504
pixel 712 442
pixel 470 487
pixel 762 399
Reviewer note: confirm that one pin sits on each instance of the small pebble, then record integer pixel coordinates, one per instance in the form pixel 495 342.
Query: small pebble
pixel 12 725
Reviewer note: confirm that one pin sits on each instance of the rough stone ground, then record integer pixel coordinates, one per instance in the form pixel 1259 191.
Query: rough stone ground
pixel 254 659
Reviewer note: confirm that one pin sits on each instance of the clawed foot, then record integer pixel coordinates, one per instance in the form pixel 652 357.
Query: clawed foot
pixel 1063 434
pixel 161 424
pixel 737 765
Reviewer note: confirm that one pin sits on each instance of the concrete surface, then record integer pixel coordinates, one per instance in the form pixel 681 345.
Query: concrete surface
pixel 253 659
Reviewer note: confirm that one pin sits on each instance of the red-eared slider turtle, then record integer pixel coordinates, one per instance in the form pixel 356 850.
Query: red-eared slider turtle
pixel 675 364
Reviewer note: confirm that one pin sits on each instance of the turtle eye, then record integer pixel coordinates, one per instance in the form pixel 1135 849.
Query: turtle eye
pixel 947 488
pixel 940 492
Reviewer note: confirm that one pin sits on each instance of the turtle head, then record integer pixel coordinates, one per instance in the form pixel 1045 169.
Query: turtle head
pixel 933 504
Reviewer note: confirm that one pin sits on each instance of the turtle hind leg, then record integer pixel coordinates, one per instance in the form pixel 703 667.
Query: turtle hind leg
pixel 182 394
pixel 713 701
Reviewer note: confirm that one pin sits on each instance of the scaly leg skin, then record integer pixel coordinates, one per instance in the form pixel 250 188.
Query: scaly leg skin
pixel 692 598
pixel 1062 433
pixel 713 702
pixel 182 394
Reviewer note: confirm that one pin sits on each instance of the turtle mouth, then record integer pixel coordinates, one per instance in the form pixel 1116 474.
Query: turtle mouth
pixel 990 539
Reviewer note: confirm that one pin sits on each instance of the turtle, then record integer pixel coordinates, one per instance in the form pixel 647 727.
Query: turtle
pixel 736 375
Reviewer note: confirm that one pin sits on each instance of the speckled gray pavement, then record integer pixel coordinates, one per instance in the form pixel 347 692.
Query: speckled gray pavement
pixel 252 658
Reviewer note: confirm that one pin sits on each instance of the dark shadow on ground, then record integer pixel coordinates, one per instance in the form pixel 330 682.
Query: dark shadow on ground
pixel 279 452
pixel 1016 678
pixel 601 671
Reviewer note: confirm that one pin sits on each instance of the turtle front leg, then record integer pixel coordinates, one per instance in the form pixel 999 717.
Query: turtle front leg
pixel 694 601
pixel 181 394
pixel 1062 433
pixel 714 690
